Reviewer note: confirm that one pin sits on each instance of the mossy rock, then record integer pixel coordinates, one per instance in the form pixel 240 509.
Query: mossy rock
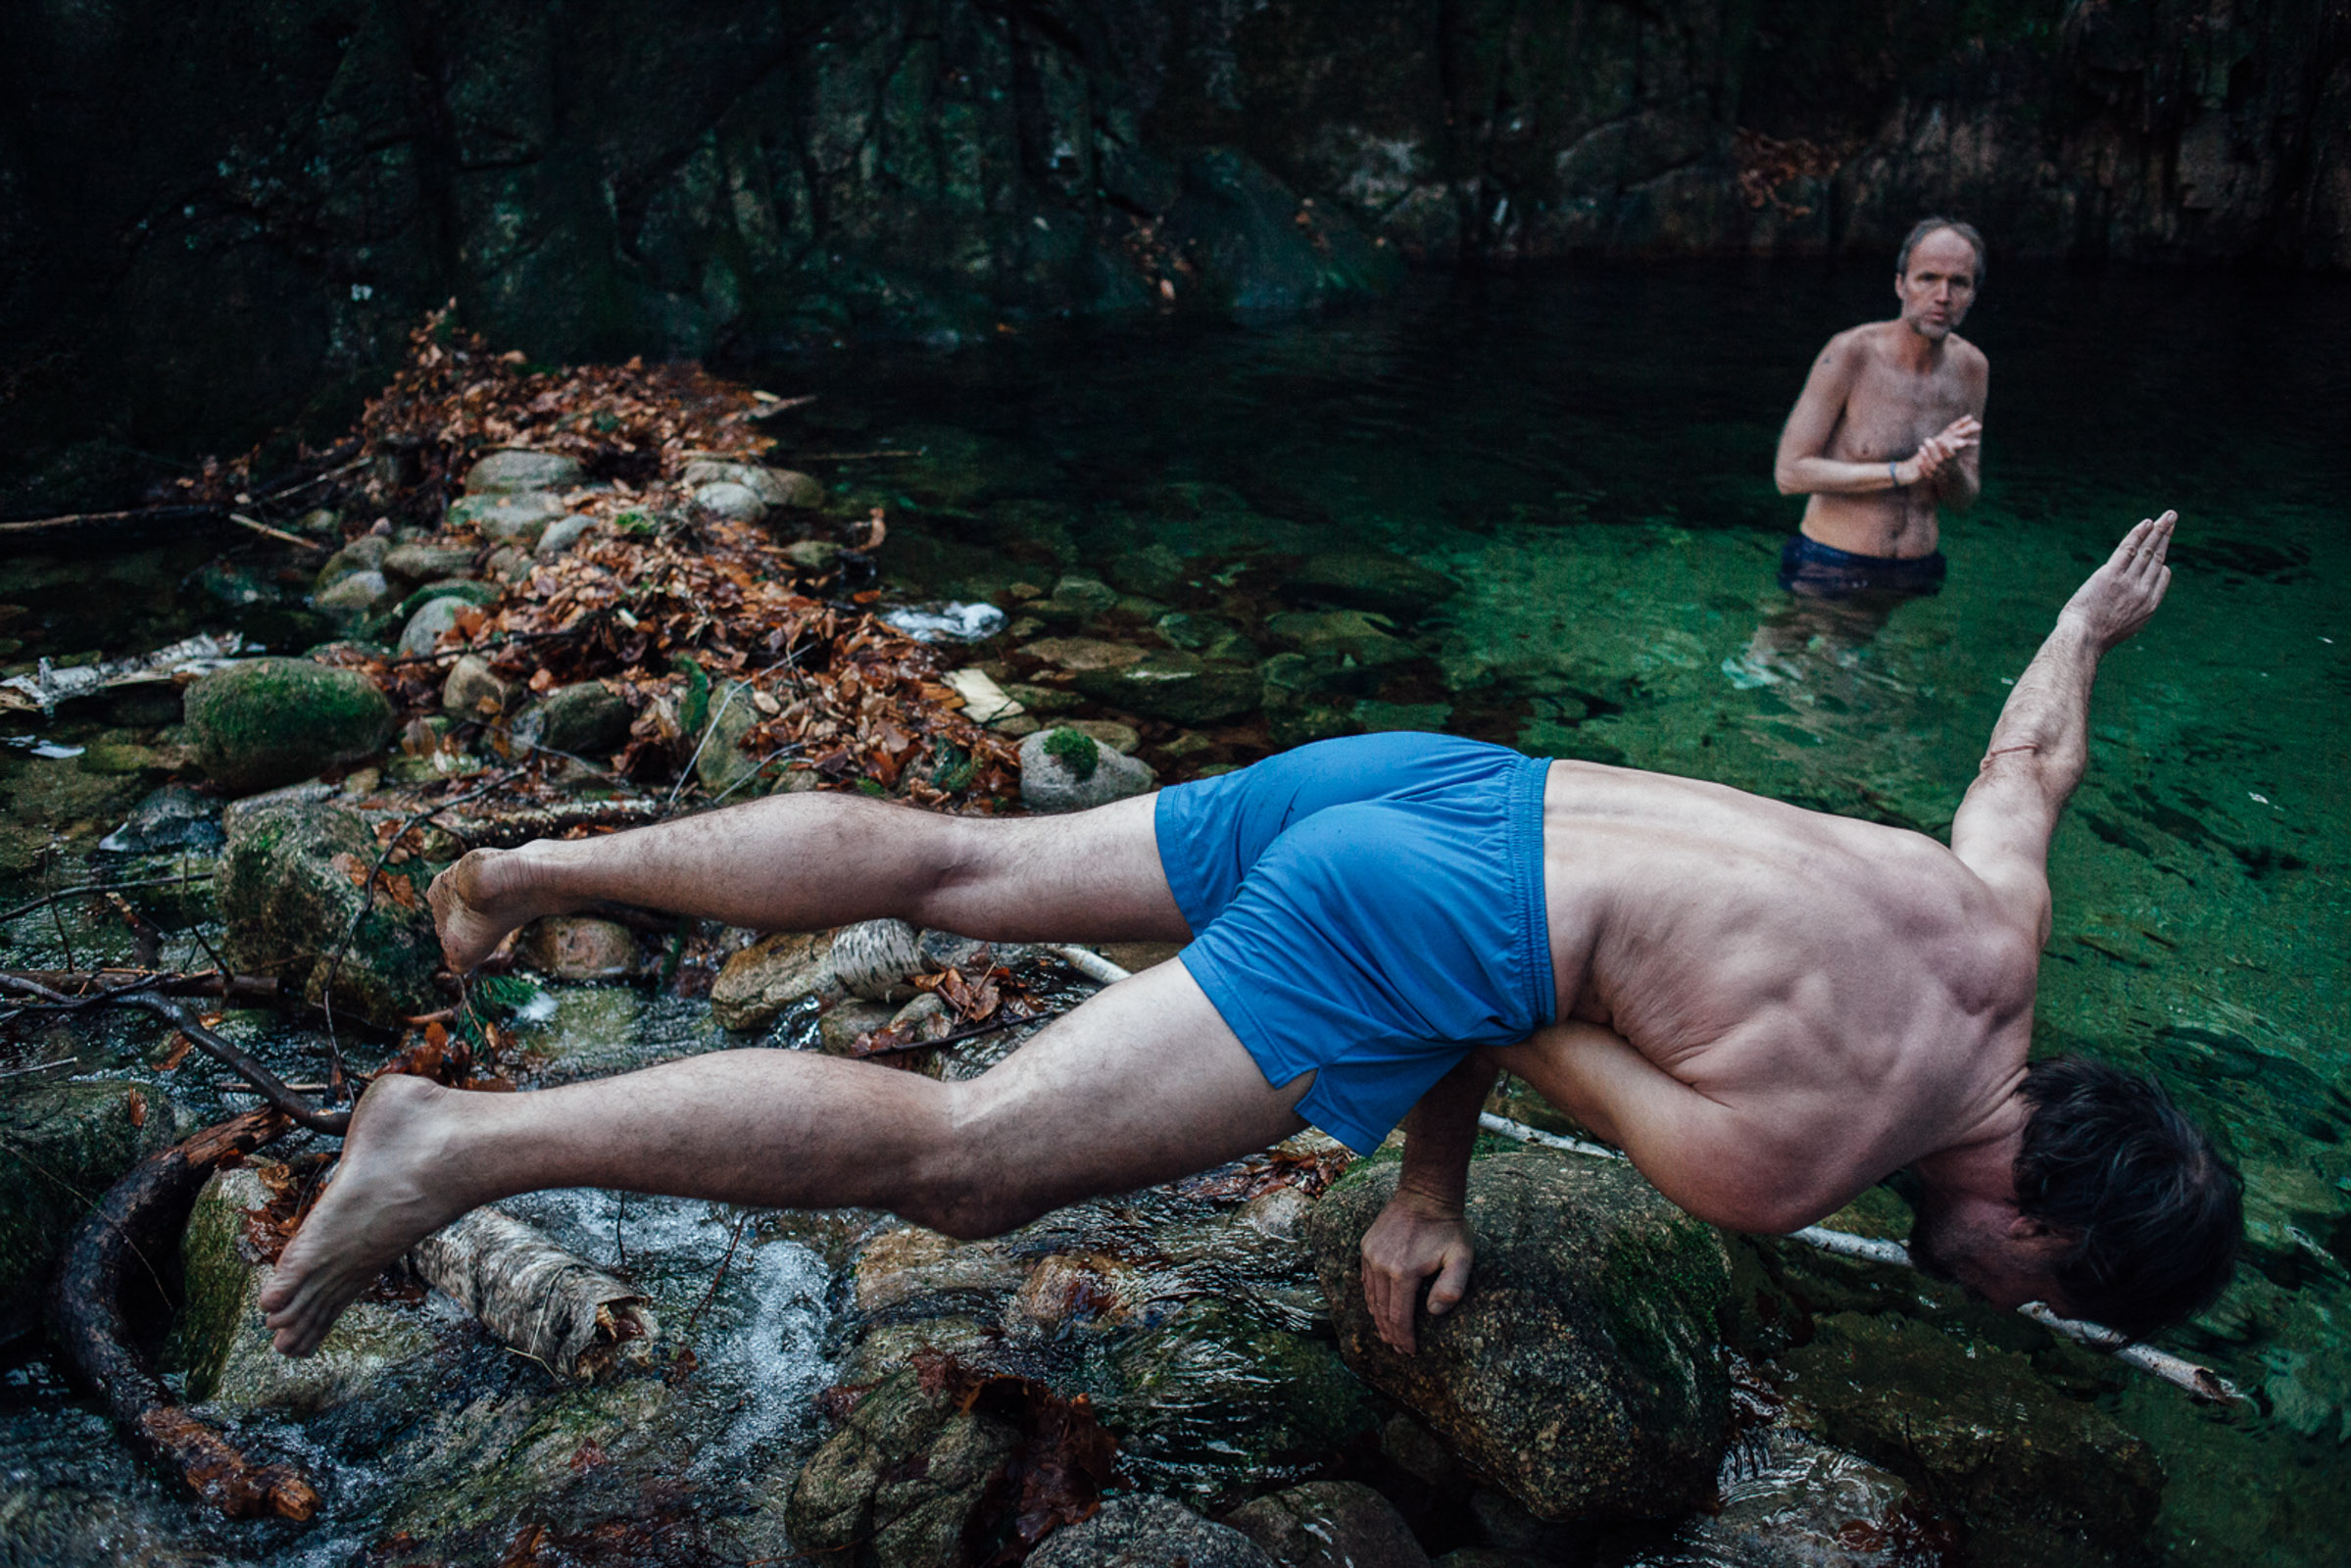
pixel 267 722
pixel 286 891
pixel 218 1337
pixel 62 1146
pixel 1369 579
pixel 897 1485
pixel 1582 1372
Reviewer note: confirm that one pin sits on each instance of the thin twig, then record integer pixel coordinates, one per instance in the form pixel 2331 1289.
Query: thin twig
pixel 742 1216
pixel 40 1066
pixel 101 887
pixel 280 534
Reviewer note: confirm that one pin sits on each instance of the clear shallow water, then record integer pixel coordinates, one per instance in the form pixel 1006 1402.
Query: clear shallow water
pixel 1589 453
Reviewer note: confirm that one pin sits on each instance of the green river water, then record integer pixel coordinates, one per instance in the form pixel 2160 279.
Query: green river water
pixel 1589 453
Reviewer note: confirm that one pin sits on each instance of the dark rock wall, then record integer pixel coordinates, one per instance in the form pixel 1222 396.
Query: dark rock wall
pixel 216 217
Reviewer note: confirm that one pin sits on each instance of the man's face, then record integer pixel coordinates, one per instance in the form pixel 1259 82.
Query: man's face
pixel 1939 286
pixel 1987 1251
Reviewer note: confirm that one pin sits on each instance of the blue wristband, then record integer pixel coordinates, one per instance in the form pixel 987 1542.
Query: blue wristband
pixel 1894 474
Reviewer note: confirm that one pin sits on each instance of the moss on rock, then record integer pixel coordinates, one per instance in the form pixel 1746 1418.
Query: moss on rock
pixel 267 722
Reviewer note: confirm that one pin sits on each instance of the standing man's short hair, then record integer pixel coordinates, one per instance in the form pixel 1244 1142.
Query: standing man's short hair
pixel 1929 225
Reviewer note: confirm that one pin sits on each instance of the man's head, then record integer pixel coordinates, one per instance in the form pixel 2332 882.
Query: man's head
pixel 1936 274
pixel 2124 1214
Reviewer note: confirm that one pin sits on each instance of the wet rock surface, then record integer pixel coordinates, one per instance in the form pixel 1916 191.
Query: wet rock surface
pixel 271 721
pixel 584 719
pixel 66 1144
pixel 1582 1372
pixel 1329 1524
pixel 1147 1533
pixel 291 894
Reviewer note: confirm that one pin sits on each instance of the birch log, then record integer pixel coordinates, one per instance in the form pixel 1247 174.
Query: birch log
pixel 562 1312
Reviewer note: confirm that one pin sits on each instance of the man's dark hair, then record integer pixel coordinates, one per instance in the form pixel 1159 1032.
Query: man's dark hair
pixel 2153 1212
pixel 1929 225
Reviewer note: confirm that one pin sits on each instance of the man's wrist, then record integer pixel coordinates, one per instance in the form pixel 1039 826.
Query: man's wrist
pixel 1432 1200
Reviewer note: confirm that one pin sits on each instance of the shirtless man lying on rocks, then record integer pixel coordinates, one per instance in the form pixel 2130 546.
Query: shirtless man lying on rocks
pixel 1768 1008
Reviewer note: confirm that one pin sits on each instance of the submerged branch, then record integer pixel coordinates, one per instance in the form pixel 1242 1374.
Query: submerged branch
pixel 146 997
pixel 139 1221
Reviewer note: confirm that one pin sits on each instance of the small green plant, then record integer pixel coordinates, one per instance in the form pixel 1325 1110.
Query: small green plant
pixel 1074 749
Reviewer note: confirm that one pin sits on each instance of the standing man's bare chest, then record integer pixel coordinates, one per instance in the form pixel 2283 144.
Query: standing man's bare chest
pixel 1889 410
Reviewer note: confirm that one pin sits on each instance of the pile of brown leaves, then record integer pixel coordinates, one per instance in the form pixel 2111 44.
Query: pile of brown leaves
pixel 456 398
pixel 682 612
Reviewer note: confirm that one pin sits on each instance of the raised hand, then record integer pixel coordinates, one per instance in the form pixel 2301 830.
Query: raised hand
pixel 1939 449
pixel 2121 595
pixel 1409 1242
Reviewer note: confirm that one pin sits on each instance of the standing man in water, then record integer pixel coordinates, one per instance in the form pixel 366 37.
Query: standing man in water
pixel 1885 432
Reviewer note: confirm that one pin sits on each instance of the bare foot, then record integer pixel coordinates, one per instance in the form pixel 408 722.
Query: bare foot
pixel 477 902
pixel 383 1199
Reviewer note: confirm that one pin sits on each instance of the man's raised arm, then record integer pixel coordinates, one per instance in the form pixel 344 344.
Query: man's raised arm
pixel 2041 743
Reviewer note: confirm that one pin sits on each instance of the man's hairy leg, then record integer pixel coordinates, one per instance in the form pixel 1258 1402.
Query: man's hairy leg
pixel 803 863
pixel 1141 1084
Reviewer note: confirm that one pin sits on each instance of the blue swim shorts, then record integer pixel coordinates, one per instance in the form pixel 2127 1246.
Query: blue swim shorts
pixel 1368 910
pixel 1823 571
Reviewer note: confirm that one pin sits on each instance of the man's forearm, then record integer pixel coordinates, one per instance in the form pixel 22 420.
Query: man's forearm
pixel 2048 716
pixel 1439 1134
pixel 1827 476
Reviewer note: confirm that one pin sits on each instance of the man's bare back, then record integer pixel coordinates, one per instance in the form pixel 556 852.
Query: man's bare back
pixel 1766 1007
pixel 1885 431
pixel 1820 1000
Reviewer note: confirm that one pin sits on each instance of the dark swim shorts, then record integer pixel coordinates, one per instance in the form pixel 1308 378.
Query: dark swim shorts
pixel 1366 910
pixel 1808 566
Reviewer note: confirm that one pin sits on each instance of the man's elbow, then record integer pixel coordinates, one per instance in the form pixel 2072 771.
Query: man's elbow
pixel 1785 476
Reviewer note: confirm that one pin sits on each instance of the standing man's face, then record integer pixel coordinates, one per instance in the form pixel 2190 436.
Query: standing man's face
pixel 1939 286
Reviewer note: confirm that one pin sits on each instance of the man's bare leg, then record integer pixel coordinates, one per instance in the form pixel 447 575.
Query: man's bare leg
pixel 1142 1084
pixel 802 863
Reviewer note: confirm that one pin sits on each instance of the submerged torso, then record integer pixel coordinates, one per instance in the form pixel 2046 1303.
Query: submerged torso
pixel 1888 412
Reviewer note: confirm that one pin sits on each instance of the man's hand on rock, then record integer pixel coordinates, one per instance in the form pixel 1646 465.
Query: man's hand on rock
pixel 1939 449
pixel 1414 1238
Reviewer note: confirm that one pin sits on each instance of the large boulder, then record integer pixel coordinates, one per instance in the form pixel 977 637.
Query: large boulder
pixel 1370 579
pixel 1582 1372
pixel 290 888
pixel 265 722
pixel 897 1485
pixel 1330 1524
pixel 66 1144
pixel 1180 687
pixel 1066 770
pixel 1146 1531
pixel 515 471
pixel 2036 1476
